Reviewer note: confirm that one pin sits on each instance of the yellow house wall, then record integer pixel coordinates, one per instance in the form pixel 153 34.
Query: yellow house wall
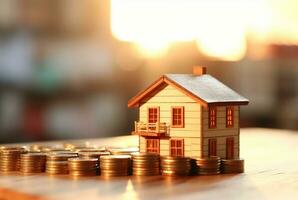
pixel 142 143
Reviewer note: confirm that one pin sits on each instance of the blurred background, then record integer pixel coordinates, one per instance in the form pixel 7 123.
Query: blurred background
pixel 68 67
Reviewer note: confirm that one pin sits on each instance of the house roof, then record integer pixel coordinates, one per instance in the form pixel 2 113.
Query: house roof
pixel 204 89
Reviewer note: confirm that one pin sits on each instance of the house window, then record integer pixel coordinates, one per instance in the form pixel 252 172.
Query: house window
pixel 230 117
pixel 212 147
pixel 152 145
pixel 178 117
pixel 176 147
pixel 153 114
pixel 212 117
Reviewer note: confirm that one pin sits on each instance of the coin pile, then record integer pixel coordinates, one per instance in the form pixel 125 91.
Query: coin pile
pixel 115 165
pixel 145 164
pixel 123 151
pixel 33 162
pixel 57 163
pixel 209 165
pixel 10 158
pixel 83 166
pixel 232 166
pixel 175 166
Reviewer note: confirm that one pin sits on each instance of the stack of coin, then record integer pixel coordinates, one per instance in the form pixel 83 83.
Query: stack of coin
pixel 175 166
pixel 232 166
pixel 56 167
pixel 115 165
pixel 33 162
pixel 83 166
pixel 57 163
pixel 10 158
pixel 145 164
pixel 209 165
pixel 123 151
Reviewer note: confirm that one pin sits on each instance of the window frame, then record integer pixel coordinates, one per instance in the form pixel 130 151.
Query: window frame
pixel 212 121
pixel 229 117
pixel 175 148
pixel 181 118
pixel 157 114
pixel 154 149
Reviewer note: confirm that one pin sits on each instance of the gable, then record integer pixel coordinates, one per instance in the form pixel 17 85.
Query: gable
pixel 154 87
pixel 166 93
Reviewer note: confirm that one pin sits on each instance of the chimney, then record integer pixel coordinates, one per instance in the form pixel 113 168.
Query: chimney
pixel 199 70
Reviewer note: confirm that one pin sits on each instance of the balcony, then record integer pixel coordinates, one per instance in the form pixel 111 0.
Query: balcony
pixel 151 129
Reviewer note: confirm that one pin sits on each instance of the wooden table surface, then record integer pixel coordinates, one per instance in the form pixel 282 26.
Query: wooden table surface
pixel 271 172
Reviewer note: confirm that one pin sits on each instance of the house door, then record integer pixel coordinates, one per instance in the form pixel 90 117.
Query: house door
pixel 212 147
pixel 152 145
pixel 230 148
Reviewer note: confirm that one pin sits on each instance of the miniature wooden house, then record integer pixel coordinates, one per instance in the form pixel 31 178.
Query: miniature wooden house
pixel 191 115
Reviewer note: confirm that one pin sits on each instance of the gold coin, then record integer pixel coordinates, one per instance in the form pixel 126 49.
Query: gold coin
pixel 123 151
pixel 82 160
pixel 146 165
pixel 89 150
pixel 93 154
pixel 115 157
pixel 139 155
pixel 173 173
pixel 60 157
pixel 174 158
pixel 209 173
pixel 113 174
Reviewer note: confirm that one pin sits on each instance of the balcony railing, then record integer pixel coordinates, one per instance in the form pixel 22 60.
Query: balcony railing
pixel 151 129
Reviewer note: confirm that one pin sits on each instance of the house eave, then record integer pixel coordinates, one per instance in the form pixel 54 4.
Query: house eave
pixel 234 103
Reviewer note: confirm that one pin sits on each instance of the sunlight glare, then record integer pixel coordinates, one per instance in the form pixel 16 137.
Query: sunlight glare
pixel 130 193
pixel 231 47
pixel 154 25
pixel 219 28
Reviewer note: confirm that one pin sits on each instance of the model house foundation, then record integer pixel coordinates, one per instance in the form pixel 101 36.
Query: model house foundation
pixel 191 115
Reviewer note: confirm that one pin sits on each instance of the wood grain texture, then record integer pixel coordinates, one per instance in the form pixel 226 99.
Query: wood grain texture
pixel 270 173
